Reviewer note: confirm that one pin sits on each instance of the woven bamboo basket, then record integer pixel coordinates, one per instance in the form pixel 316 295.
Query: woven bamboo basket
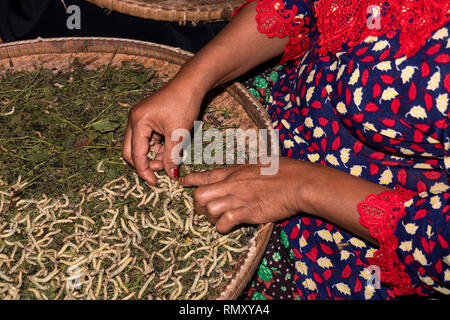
pixel 173 10
pixel 57 54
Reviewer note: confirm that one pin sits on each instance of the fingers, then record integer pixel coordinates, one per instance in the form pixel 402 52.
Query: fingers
pixel 168 158
pixel 225 212
pixel 205 194
pixel 126 149
pixel 220 206
pixel 217 207
pixel 206 177
pixel 157 164
pixel 139 149
pixel 231 219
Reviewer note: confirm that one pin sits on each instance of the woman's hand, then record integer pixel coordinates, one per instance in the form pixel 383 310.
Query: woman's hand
pixel 240 194
pixel 152 119
pixel 237 49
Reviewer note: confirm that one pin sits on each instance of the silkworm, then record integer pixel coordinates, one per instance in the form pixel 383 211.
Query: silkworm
pixel 222 260
pixel 136 231
pixel 99 166
pixel 166 246
pixel 38 285
pixel 128 297
pixel 116 289
pixel 105 290
pixel 160 229
pixel 176 193
pixel 176 217
pixel 187 255
pixel 97 251
pixel 36 293
pixel 184 270
pixel 163 257
pixel 4 257
pixel 148 199
pixel 122 267
pixel 219 280
pixel 192 229
pixel 129 192
pixel 164 280
pixel 119 281
pixel 179 290
pixel 156 198
pixel 75 263
pixel 205 291
pixel 2 202
pixel 212 267
pixel 17 265
pixel 144 198
pixel 121 178
pixel 99 284
pixel 113 220
pixel 8 233
pixel 148 268
pixel 140 248
pixel 47 278
pixel 166 212
pixel 124 226
pixel 202 266
pixel 5 277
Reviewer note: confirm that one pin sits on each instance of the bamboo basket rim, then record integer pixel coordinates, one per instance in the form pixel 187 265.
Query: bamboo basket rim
pixel 177 56
pixel 183 11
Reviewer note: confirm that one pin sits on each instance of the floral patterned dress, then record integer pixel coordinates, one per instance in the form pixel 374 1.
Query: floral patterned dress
pixel 372 102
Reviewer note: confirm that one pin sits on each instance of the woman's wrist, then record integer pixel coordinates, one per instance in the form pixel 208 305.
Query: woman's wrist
pixel 333 195
pixel 307 186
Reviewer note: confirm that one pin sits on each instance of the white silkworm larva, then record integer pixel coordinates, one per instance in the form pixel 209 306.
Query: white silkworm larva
pixel 99 166
pixel 184 270
pixel 179 290
pixel 205 291
pixel 122 267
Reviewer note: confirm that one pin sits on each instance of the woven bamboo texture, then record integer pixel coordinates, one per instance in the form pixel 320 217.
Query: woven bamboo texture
pixel 173 10
pixel 57 54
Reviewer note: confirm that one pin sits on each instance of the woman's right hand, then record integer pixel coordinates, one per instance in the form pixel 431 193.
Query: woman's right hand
pixel 154 119
pixel 237 49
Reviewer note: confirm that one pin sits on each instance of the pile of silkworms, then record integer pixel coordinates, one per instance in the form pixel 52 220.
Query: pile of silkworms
pixel 122 240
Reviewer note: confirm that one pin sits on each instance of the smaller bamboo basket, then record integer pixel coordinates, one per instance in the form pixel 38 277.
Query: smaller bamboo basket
pixel 174 10
pixel 57 54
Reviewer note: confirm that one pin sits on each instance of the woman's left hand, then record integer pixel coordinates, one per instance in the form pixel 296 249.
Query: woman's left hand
pixel 240 194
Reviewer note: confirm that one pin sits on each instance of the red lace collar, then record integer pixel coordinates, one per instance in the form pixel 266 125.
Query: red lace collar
pixel 351 21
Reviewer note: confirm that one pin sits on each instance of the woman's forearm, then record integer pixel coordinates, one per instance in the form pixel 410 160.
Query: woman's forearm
pixel 334 196
pixel 238 48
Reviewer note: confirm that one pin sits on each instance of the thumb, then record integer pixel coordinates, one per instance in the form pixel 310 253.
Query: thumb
pixel 173 153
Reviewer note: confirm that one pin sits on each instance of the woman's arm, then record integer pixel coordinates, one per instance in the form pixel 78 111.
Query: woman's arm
pixel 240 194
pixel 237 49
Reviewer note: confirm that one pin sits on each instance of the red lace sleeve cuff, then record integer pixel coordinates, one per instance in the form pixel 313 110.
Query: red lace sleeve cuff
pixel 380 214
pixel 274 19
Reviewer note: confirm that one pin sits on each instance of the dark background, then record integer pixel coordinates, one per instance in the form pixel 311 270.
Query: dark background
pixel 29 19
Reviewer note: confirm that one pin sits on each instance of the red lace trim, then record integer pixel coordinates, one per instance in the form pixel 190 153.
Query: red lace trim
pixel 380 213
pixel 274 19
pixel 352 21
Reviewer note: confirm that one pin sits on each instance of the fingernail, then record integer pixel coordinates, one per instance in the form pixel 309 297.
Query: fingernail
pixel 174 173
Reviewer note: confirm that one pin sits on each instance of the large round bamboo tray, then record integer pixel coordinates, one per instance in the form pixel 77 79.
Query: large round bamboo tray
pixel 173 10
pixel 57 54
